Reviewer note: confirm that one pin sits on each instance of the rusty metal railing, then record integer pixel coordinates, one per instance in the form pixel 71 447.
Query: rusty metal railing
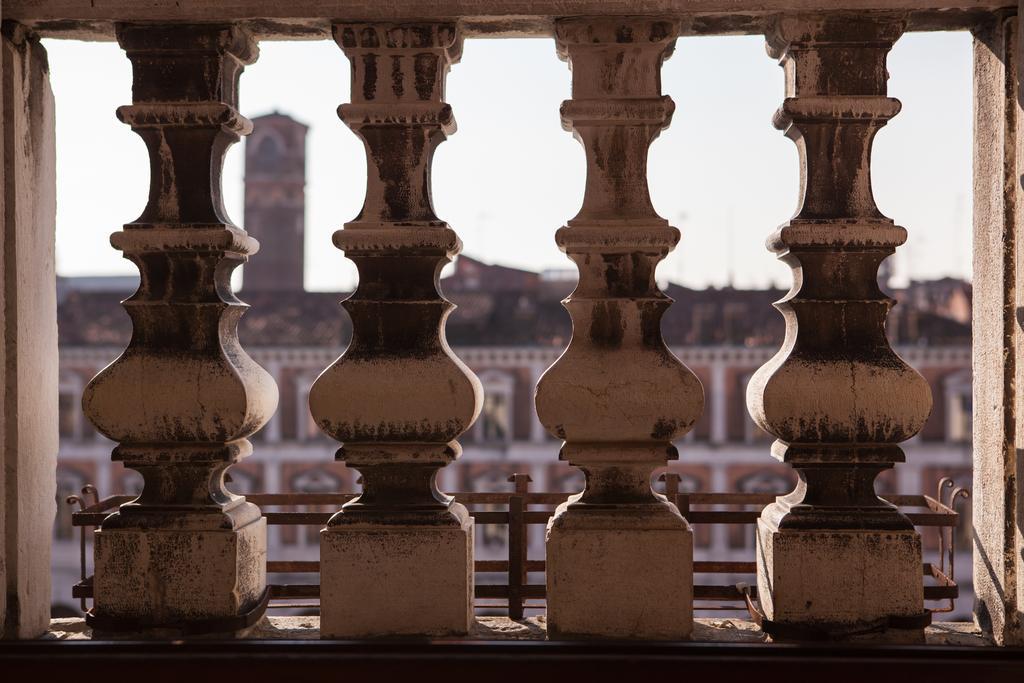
pixel 525 508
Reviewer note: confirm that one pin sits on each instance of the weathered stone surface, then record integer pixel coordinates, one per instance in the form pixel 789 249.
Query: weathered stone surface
pixel 398 398
pixel 836 396
pixel 29 335
pixel 183 397
pixel 617 396
pixel 838 577
pixel 180 577
pixel 310 19
pixel 998 368
pixel 592 592
pixel 397 579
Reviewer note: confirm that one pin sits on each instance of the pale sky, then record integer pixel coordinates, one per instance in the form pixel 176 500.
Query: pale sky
pixel 511 176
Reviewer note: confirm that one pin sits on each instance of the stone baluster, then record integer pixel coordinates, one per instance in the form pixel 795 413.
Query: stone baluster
pixel 399 558
pixel 187 555
pixel 619 556
pixel 832 556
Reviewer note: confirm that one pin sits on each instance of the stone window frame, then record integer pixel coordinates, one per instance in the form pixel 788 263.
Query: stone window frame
pixel 28 291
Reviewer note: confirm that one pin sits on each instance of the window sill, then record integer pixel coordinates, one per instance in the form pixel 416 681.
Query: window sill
pixel 715 630
pixel 288 649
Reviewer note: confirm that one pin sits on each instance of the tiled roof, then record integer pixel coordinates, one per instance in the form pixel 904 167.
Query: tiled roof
pixel 507 317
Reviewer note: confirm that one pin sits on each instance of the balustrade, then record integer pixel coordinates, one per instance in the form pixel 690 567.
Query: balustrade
pixel 832 556
pixel 399 558
pixel 182 399
pixel 834 560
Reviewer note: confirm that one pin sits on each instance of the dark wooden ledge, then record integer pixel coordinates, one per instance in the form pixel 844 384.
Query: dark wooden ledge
pixel 493 661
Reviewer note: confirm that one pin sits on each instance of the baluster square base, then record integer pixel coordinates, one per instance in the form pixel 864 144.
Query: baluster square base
pixel 619 575
pixel 841 582
pixel 397 579
pixel 176 579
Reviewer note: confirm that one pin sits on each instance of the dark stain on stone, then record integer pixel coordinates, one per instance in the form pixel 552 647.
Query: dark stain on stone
pixel 369 76
pixel 397 86
pixel 606 328
pixel 426 75
pixel 664 429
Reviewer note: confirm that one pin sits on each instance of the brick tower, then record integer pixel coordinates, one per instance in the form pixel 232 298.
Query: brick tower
pixel 275 203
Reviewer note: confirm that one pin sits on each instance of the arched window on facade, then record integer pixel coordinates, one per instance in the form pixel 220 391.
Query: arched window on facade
pixel 752 434
pixel 244 480
pixel 494 426
pixel 69 406
pixel 773 480
pixel 126 481
pixel 305 426
pixel 688 483
pixel 268 150
pixel 565 479
pixel 312 480
pixel 959 406
pixel 70 481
